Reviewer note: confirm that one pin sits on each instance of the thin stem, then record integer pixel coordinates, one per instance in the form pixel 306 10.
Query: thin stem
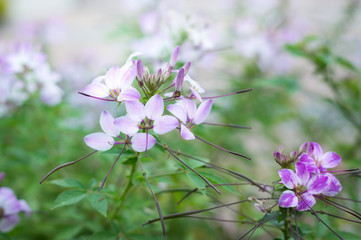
pixel 229 94
pixel 130 183
pixel 155 199
pixel 295 214
pixel 226 125
pixel 220 148
pixel 104 99
pixel 331 229
pixel 335 216
pixel 166 88
pixel 65 165
pixel 341 207
pixel 285 228
pixel 260 222
pixel 347 199
pixel 111 168
pixel 182 214
pixel 203 178
pixel 187 194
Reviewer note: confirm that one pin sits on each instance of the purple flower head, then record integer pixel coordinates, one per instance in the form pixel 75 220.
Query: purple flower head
pixel 115 85
pixel 103 141
pixel 304 186
pixel 188 114
pixel 145 117
pixel 10 206
pixel 317 161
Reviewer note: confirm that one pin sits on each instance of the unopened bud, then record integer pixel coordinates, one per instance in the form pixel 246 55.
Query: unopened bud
pixel 281 149
pixel 140 71
pixel 187 66
pixel 179 79
pixel 159 73
pixel 310 149
pixel 278 157
pixel 173 58
pixel 293 155
pixel 303 147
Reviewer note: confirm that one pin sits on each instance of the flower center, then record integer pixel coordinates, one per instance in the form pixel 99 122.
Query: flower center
pixel 2 213
pixel 114 93
pixel 300 189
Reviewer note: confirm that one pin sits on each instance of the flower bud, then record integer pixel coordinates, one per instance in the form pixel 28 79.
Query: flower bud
pixel 293 155
pixel 281 149
pixel 303 147
pixel 173 58
pixel 187 66
pixel 179 79
pixel 278 157
pixel 140 72
pixel 310 149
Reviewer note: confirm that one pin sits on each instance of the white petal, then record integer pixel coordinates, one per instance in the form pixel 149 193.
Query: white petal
pixel 135 110
pixel 99 141
pixel 203 111
pixel 154 107
pixel 139 142
pixel 186 133
pixel 106 123
pixel 178 111
pixel 126 125
pixel 96 90
pixel 165 124
pixel 129 94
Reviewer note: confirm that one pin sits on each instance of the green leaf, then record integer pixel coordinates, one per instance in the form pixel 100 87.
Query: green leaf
pixel 196 180
pixel 282 214
pixel 99 203
pixel 103 235
pixel 295 50
pixel 69 197
pixel 217 180
pixel 345 63
pixel 68 182
pixel 130 160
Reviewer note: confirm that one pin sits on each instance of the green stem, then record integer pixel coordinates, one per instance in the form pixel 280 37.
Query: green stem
pixel 285 230
pixel 127 188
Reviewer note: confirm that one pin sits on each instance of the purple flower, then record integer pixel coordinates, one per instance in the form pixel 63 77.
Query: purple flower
pixel 304 186
pixel 145 117
pixel 320 161
pixel 115 85
pixel 186 111
pixel 10 206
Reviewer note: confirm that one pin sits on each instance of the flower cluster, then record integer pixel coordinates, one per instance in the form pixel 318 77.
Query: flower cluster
pixel 24 72
pixel 146 113
pixel 10 207
pixel 310 179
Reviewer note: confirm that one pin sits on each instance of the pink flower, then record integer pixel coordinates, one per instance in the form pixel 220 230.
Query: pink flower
pixel 304 186
pixel 115 85
pixel 10 206
pixel 146 117
pixel 186 111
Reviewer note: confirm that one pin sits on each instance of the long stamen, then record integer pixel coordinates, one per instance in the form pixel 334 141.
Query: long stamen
pixel 226 125
pixel 231 152
pixel 65 165
pixel 229 94
pixel 111 168
pixel 347 170
pixel 146 143
pixel 104 99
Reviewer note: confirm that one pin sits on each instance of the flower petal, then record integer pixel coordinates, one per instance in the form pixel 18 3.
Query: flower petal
pixel 112 78
pixel 302 173
pixel 128 94
pixel 135 110
pixel 203 111
pixel 178 111
pixel 288 177
pixel 179 79
pixel 154 108
pixel 165 124
pixel 190 107
pixel 126 125
pixel 315 149
pixel 96 89
pixel 334 186
pixel 307 200
pixel 106 123
pixel 288 199
pixel 9 222
pixel 127 76
pixel 99 141
pixel 330 160
pixel 309 162
pixel 196 94
pixel 25 207
pixel 186 133
pixel 139 142
pixel 318 184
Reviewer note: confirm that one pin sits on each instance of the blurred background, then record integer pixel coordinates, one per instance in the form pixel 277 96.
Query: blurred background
pixel 302 58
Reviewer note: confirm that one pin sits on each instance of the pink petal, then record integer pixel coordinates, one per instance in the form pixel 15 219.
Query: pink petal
pixel 179 79
pixel 128 94
pixel 25 207
pixel 307 200
pixel 288 199
pixel 96 90
pixel 318 184
pixel 334 186
pixel 330 160
pixel 126 125
pixel 139 142
pixel 189 106
pixel 165 124
pixel 203 111
pixel 8 201
pixel 112 78
pixel 302 173
pixel 9 222
pixel 196 94
pixel 315 149
pixel 186 133
pixel 127 77
pixel 106 123
pixel 178 111
pixel 154 108
pixel 309 162
pixel 288 178
pixel 173 59
pixel 135 110
pixel 99 141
